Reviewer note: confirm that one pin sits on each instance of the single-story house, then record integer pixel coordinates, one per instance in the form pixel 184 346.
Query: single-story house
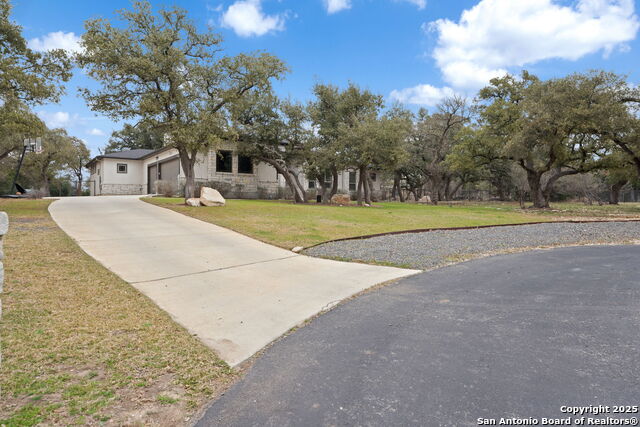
pixel 143 171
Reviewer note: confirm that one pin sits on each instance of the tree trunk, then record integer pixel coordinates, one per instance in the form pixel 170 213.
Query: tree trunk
pixel 614 194
pixel 188 161
pixel 79 185
pixel 359 192
pixel 548 188
pixel 501 195
pixel 452 194
pixel 323 192
pixel 301 194
pixel 334 183
pixel 370 188
pixel 447 188
pixel 396 191
pixel 367 188
pixel 292 181
pixel 535 187
pixel 44 187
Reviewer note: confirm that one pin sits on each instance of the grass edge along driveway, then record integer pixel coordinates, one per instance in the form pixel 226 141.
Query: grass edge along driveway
pixel 289 225
pixel 81 346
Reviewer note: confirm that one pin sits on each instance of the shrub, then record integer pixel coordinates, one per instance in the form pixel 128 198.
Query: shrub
pixel 167 188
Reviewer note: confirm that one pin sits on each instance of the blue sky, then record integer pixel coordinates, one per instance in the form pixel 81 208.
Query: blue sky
pixel 411 51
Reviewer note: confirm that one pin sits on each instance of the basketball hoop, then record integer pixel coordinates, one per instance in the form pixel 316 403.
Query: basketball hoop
pixel 33 144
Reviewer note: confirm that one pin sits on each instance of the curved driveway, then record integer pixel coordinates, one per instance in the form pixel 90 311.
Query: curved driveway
pixel 509 336
pixel 235 293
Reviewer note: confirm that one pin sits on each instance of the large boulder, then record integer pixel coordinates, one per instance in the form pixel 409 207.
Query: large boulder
pixel 193 202
pixel 341 199
pixel 211 197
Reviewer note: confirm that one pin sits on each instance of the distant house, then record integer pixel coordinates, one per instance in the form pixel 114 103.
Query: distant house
pixel 236 176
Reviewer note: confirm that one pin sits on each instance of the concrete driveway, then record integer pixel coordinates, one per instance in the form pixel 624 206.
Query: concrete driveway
pixel 235 293
pixel 513 336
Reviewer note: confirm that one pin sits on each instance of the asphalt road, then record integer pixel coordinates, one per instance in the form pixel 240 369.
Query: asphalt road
pixel 508 336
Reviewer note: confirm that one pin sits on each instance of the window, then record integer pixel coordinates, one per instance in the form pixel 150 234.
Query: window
pixel 373 176
pixel 245 164
pixel 122 168
pixel 352 181
pixel 224 161
pixel 312 184
pixel 327 179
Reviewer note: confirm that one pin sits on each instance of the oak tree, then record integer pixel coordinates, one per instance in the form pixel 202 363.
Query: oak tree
pixel 159 69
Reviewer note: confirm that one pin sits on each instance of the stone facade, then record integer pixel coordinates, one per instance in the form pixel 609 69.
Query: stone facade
pixel 123 189
pixel 263 183
pixel 4 227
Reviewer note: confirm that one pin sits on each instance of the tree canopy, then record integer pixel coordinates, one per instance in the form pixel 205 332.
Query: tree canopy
pixel 158 69
pixel 132 137
pixel 550 129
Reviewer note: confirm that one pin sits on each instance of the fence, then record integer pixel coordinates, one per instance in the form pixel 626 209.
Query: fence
pixel 630 196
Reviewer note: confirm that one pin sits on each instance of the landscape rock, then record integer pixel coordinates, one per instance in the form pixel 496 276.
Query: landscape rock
pixel 425 199
pixel 341 199
pixel 193 202
pixel 211 197
pixel 4 223
pixel 297 249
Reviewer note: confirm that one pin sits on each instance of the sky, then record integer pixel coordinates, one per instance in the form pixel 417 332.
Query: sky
pixel 411 51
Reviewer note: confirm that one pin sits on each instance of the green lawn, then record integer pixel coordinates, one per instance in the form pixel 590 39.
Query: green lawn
pixel 80 346
pixel 288 225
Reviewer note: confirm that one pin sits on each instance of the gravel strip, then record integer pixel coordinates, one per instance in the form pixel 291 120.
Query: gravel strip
pixel 435 248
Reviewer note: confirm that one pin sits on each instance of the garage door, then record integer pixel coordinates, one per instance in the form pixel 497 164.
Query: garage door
pixel 168 171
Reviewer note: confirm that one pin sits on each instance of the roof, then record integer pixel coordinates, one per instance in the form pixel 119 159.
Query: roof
pixel 137 154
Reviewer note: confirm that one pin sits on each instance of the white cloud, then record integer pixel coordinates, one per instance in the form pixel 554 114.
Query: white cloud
pixel 422 95
pixel 420 3
pixel 95 132
pixel 497 34
pixel 494 36
pixel 55 119
pixel 56 40
pixel 334 6
pixel 247 19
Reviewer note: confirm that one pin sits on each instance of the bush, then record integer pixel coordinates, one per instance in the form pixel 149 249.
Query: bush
pixel 167 188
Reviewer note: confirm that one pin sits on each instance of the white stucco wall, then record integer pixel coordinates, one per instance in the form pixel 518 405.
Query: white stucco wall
pixel 111 175
pixel 95 178
pixel 112 182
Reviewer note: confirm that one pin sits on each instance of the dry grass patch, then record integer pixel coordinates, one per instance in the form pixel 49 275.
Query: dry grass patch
pixel 81 346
